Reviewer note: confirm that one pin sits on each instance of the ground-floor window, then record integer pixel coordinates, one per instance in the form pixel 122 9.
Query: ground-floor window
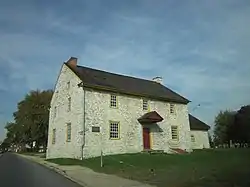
pixel 174 133
pixel 53 136
pixel 68 133
pixel 114 130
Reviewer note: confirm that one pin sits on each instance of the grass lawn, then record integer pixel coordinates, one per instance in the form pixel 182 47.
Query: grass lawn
pixel 204 168
pixel 42 155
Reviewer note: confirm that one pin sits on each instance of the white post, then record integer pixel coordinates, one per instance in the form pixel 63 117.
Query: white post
pixel 101 160
pixel 101 146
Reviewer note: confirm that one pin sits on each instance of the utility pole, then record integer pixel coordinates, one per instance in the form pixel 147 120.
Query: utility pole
pixel 101 147
pixel 101 160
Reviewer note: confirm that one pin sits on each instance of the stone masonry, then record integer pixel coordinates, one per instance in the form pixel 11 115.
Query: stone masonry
pixel 201 139
pixel 98 113
pixel 59 116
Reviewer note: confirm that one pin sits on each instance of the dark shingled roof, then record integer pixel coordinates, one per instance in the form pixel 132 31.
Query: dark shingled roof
pixel 93 78
pixel 196 124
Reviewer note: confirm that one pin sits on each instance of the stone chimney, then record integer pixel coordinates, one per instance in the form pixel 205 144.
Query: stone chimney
pixel 72 62
pixel 158 80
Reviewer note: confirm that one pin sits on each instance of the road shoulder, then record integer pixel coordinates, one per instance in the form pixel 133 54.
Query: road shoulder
pixel 85 176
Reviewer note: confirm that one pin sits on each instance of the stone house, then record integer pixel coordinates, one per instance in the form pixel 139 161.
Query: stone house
pixel 199 133
pixel 94 111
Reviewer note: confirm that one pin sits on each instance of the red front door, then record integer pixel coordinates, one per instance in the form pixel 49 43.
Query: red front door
pixel 146 138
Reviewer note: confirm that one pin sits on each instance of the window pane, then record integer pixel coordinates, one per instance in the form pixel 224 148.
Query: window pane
pixel 68 132
pixel 114 130
pixel 174 132
pixel 171 108
pixel 53 136
pixel 145 104
pixel 69 103
pixel 113 101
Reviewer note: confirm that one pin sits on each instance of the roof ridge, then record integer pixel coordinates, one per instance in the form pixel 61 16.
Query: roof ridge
pixel 128 76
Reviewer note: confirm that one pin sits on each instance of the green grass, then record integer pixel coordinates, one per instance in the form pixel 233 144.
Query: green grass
pixel 204 168
pixel 41 155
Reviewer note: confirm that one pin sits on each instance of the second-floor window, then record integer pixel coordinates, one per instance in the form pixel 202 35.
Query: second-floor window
pixel 68 85
pixel 145 104
pixel 113 101
pixel 69 104
pixel 172 108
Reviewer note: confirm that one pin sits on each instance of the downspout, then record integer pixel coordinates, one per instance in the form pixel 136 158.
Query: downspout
pixel 84 113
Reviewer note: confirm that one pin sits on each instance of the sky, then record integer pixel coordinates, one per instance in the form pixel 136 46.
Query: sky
pixel 200 48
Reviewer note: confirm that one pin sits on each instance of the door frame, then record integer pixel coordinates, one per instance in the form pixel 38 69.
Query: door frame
pixel 149 138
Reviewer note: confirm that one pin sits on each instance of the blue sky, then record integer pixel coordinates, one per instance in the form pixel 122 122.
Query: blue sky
pixel 200 48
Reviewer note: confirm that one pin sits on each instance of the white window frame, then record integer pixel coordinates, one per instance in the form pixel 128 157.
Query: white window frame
pixel 113 101
pixel 53 136
pixel 69 104
pixel 174 132
pixel 114 130
pixel 145 104
pixel 68 132
pixel 172 108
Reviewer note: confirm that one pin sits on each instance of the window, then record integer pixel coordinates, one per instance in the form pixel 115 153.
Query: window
pixel 145 104
pixel 113 101
pixel 192 138
pixel 68 135
pixel 68 85
pixel 174 132
pixel 171 108
pixel 53 136
pixel 55 108
pixel 69 104
pixel 114 131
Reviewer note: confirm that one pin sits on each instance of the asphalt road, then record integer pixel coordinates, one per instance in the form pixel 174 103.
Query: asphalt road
pixel 16 171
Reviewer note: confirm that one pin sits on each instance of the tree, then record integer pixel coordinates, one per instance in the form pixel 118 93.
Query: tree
pixel 223 121
pixel 33 114
pixel 31 119
pixel 233 126
pixel 211 142
pixel 4 145
pixel 241 126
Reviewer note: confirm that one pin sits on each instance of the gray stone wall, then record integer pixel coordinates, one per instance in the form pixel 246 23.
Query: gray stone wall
pixel 99 113
pixel 62 148
pixel 201 139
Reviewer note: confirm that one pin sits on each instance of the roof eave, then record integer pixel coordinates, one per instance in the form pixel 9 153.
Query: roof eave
pixel 185 101
pixel 199 129
pixel 133 94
